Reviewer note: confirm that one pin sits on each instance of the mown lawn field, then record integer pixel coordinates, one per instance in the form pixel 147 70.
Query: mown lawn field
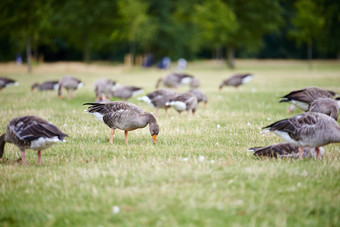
pixel 197 174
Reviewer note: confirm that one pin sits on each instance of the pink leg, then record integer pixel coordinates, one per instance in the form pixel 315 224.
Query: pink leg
pixel 300 153
pixel 156 112
pixel 23 157
pixel 39 158
pixel 70 94
pixel 318 154
pixel 166 112
pixel 126 137
pixel 111 137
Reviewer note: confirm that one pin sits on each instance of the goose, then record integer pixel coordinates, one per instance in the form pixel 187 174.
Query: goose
pixel 237 80
pixel 194 83
pixel 304 97
pixel 284 150
pixel 183 101
pixel 175 80
pixel 326 106
pixel 31 132
pixel 7 82
pixel 307 130
pixel 125 116
pixel 47 85
pixel 126 92
pixel 104 88
pixel 158 98
pixel 201 97
pixel 70 84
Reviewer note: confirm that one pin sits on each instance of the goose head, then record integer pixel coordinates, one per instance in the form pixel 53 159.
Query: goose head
pixel 153 127
pixel 34 86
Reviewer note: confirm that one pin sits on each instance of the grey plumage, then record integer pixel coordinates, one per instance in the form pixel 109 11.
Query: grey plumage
pixel 326 106
pixel 158 99
pixel 185 101
pixel 126 92
pixel 45 86
pixel 175 80
pixel 237 80
pixel 201 97
pixel 7 82
pixel 104 88
pixel 70 84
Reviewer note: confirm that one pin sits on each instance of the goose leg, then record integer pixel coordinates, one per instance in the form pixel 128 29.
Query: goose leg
pixel 111 137
pixel 126 137
pixel 156 112
pixel 39 158
pixel 70 94
pixel 300 153
pixel 103 97
pixel 318 154
pixel 166 112
pixel 23 157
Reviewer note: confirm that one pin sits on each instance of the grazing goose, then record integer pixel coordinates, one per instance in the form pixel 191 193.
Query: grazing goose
pixel 104 88
pixel 326 106
pixel 7 82
pixel 237 80
pixel 194 83
pixel 31 132
pixel 304 97
pixel 175 80
pixel 70 84
pixel 284 150
pixel 183 101
pixel 126 92
pixel 45 86
pixel 307 130
pixel 201 97
pixel 125 116
pixel 158 98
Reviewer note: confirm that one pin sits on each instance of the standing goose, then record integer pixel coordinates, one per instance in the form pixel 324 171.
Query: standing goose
pixel 45 86
pixel 104 88
pixel 307 130
pixel 158 99
pixel 7 82
pixel 284 150
pixel 201 97
pixel 237 80
pixel 183 101
pixel 126 92
pixel 31 132
pixel 70 84
pixel 175 80
pixel 326 106
pixel 125 116
pixel 304 97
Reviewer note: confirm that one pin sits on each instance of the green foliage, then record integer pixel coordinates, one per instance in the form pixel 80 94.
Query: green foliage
pixel 308 21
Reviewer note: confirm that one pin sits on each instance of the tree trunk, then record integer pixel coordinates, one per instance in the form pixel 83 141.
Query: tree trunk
pixel 230 57
pixel 86 51
pixel 29 53
pixel 310 55
pixel 133 52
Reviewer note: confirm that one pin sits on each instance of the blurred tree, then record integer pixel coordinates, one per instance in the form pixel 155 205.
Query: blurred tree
pixel 216 23
pixel 26 20
pixel 86 24
pixel 255 19
pixel 136 26
pixel 308 23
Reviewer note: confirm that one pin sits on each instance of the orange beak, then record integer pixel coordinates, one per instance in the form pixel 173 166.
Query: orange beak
pixel 154 138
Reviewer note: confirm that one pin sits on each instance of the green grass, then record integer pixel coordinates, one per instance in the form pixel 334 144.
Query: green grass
pixel 166 184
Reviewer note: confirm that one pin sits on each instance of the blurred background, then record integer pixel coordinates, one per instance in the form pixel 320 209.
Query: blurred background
pixel 143 32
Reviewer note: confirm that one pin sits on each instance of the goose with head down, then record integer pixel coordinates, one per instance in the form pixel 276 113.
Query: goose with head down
pixel 7 82
pixel 125 92
pixel 70 84
pixel 175 80
pixel 201 97
pixel 326 106
pixel 158 99
pixel 304 97
pixel 125 116
pixel 185 101
pixel 104 89
pixel 237 80
pixel 307 130
pixel 46 86
pixel 31 132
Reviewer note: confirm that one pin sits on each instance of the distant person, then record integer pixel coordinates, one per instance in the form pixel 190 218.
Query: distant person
pixel 182 64
pixel 18 59
pixel 165 63
pixel 148 61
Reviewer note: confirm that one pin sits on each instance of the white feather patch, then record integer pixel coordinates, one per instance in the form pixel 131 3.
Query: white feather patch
pixel 98 116
pixel 247 79
pixel 146 99
pixel 301 105
pixel 186 80
pixel 137 92
pixel 43 142
pixel 286 137
pixel 80 85
pixel 180 106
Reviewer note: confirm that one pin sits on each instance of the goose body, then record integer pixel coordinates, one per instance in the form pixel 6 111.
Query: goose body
pixel 307 130
pixel 125 116
pixel 47 85
pixel 158 99
pixel 126 92
pixel 7 82
pixel 104 88
pixel 201 97
pixel 31 132
pixel 304 97
pixel 70 84
pixel 326 106
pixel 175 80
pixel 183 102
pixel 285 150
pixel 237 80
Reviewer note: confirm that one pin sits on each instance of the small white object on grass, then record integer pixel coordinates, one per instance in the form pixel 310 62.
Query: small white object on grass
pixel 268 118
pixel 217 143
pixel 115 209
pixel 248 124
pixel 253 90
pixel 201 158
pixel 185 159
pixel 212 161
pixel 218 126
pixel 299 184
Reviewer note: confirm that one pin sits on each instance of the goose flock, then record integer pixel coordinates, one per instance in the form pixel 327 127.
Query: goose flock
pixel 305 134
